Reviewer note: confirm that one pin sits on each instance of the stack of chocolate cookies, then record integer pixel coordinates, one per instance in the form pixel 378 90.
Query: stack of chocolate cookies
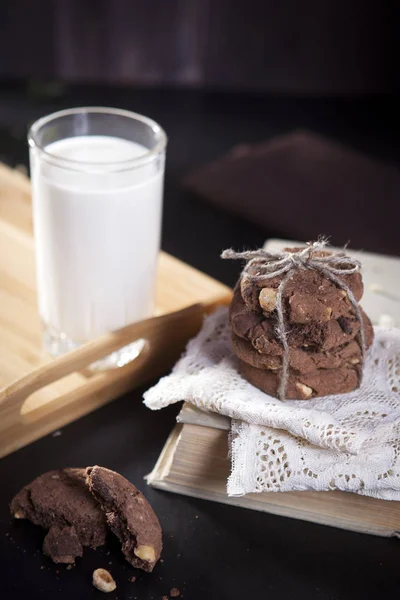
pixel 323 333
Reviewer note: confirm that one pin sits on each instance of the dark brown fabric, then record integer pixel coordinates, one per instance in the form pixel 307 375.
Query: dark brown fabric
pixel 301 185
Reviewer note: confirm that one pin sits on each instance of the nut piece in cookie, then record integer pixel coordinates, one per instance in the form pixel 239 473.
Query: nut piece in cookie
pixel 304 390
pixel 129 515
pixel 60 501
pixel 267 299
pixel 103 580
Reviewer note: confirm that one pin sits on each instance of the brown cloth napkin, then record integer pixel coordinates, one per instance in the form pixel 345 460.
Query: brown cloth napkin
pixel 301 185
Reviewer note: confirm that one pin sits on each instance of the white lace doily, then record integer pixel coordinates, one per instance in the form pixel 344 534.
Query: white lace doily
pixel 349 442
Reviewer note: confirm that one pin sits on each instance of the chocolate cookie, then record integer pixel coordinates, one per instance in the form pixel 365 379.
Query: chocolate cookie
pixel 301 361
pixel 304 386
pixel 129 515
pixel 308 295
pixel 61 502
pixel 322 336
pixel 315 337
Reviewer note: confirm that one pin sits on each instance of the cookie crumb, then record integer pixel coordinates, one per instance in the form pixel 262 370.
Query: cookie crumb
pixel 132 579
pixel 103 581
pixel 174 593
pixel 196 516
pixel 161 560
pixel 69 567
pixel 165 598
pixel 42 567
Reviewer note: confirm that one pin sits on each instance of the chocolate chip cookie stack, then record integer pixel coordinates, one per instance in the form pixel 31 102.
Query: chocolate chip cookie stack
pixel 322 329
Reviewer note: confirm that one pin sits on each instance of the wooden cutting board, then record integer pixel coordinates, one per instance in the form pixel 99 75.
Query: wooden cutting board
pixel 21 352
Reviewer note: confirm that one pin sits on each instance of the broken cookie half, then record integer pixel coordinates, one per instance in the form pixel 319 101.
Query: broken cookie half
pixel 77 506
pixel 129 515
pixel 61 502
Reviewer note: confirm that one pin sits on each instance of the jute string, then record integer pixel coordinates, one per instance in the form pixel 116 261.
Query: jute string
pixel 262 265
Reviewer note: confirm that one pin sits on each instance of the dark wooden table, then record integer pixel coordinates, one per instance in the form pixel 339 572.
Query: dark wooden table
pixel 210 551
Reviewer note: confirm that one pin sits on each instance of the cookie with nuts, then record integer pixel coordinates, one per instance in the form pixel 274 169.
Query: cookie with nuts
pixel 61 502
pixel 300 360
pixel 304 386
pixel 315 336
pixel 78 506
pixel 308 295
pixel 129 515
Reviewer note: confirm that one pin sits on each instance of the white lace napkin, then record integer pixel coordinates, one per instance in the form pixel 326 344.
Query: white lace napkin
pixel 349 442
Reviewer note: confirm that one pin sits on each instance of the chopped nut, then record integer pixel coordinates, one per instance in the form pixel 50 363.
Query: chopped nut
pixel 267 299
pixel 103 580
pixel 327 313
pixel 174 593
pixel 145 553
pixel 354 361
pixel 19 514
pixel 305 390
pixel 343 293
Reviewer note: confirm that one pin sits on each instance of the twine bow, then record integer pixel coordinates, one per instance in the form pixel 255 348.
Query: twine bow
pixel 263 265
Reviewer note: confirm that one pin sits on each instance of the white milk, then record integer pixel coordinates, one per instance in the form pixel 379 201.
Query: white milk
pixel 97 236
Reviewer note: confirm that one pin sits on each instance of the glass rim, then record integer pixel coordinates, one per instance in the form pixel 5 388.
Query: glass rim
pixel 120 165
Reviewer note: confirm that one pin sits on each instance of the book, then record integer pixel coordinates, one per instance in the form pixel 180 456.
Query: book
pixel 194 461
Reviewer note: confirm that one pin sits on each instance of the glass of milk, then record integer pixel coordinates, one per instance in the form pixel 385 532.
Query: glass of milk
pixel 97 185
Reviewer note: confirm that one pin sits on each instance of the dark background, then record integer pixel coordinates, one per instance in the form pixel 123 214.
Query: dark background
pixel 309 47
pixel 214 74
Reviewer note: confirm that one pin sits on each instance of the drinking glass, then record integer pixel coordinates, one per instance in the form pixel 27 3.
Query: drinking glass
pixel 97 186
